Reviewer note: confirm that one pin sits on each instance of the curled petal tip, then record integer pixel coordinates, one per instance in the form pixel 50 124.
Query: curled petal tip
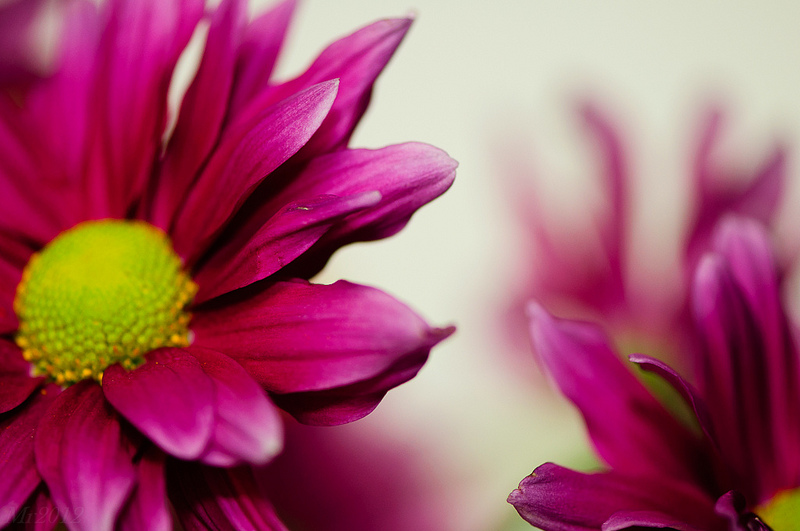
pixel 440 334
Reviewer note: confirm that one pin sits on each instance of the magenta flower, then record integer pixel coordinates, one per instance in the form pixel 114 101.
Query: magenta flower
pixel 736 466
pixel 586 271
pixel 154 289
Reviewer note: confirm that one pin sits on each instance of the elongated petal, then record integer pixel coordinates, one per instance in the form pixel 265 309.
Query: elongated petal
pixel 556 498
pixel 407 176
pixel 258 53
pixel 84 457
pixel 629 428
pixel 295 337
pixel 718 193
pixel 692 397
pixel 141 44
pixel 247 426
pixel 277 243
pixel 16 383
pixel 169 399
pixel 202 113
pixel 749 368
pixel 253 148
pixel 227 499
pixel 356 61
pixel 147 506
pixel 19 477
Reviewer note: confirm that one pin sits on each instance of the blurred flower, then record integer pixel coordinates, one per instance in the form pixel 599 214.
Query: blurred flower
pixel 586 271
pixel 736 466
pixel 154 277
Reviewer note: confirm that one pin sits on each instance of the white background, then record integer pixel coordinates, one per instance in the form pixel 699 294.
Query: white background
pixel 479 78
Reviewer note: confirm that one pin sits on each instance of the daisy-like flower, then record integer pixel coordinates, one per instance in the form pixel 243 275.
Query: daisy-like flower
pixel 735 464
pixel 154 293
pixel 586 270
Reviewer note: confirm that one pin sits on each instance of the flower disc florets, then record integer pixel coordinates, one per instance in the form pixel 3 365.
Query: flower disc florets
pixel 101 292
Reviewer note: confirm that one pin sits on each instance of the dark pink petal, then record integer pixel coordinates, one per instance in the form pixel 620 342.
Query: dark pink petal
pixel 58 120
pixel 295 337
pixel 252 148
pixel 202 111
pixel 278 242
pixel 10 276
pixel 247 426
pixel 556 498
pixel 225 499
pixel 147 506
pixel 19 477
pixel 629 428
pixel 84 458
pixel 169 399
pixel 356 61
pixel 16 383
pixel 406 175
pixel 718 192
pixel 140 46
pixel 258 53
pixel 748 369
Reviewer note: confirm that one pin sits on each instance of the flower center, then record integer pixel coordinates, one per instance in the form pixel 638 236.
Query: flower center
pixel 782 512
pixel 101 292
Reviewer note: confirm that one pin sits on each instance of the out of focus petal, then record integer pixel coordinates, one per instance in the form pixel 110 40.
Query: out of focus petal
pixel 226 499
pixel 553 497
pixel 629 428
pixel 84 458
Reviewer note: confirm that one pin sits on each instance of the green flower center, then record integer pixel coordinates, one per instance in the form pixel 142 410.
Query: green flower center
pixel 782 512
pixel 100 293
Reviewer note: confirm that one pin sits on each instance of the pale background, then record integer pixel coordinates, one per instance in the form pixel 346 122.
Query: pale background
pixel 476 78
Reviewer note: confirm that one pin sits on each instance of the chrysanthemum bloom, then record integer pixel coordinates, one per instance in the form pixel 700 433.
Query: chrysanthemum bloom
pixel 154 294
pixel 735 463
pixel 593 271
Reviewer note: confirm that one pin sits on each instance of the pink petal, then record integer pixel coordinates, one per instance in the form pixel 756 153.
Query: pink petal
pixel 247 426
pixel 147 506
pixel 258 52
pixel 553 497
pixel 629 428
pixel 748 368
pixel 84 458
pixel 295 337
pixel 407 176
pixel 169 399
pixel 718 194
pixel 227 499
pixel 277 243
pixel 16 383
pixel 142 42
pixel 17 428
pixel 356 61
pixel 254 147
pixel 202 111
